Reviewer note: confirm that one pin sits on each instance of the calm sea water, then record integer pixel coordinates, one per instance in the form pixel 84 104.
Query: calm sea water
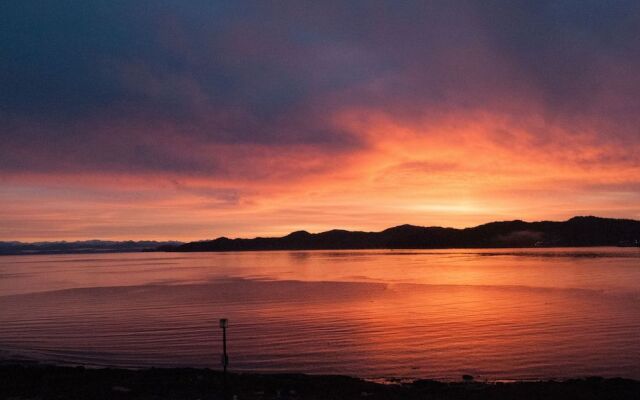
pixel 495 314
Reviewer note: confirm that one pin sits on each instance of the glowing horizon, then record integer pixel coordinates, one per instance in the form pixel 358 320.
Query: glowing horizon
pixel 188 121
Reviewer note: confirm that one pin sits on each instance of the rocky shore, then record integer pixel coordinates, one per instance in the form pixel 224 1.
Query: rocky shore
pixel 53 382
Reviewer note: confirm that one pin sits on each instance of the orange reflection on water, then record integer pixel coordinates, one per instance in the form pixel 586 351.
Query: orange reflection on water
pixel 435 314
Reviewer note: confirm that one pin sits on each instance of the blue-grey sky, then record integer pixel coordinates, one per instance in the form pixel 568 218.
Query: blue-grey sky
pixel 189 119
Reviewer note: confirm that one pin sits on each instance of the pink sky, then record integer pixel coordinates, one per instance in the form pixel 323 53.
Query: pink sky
pixel 188 121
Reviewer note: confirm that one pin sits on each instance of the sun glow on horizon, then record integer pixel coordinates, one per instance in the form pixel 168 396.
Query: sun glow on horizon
pixel 259 120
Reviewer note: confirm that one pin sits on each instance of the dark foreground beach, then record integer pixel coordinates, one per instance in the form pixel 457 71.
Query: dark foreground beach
pixel 51 382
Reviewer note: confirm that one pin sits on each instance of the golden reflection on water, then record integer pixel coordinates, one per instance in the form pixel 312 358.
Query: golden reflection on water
pixel 495 314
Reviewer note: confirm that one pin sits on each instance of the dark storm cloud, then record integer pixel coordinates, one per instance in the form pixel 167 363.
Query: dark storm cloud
pixel 572 52
pixel 122 86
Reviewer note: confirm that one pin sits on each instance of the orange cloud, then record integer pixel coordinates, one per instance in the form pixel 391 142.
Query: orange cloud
pixel 267 119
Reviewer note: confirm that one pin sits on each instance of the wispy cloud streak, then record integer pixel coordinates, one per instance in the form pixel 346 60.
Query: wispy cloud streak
pixel 193 119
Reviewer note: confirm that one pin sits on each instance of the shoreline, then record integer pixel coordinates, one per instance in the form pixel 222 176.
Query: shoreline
pixel 36 381
pixel 357 249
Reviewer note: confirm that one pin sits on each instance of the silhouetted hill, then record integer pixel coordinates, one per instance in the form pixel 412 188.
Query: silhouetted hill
pixel 86 246
pixel 576 232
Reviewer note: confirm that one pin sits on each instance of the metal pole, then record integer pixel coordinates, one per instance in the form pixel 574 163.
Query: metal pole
pixel 225 358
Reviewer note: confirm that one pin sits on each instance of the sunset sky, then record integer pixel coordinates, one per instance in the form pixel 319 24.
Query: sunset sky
pixel 192 119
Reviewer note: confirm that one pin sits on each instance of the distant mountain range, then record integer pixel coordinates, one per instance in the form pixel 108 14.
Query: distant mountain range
pixel 576 232
pixel 87 246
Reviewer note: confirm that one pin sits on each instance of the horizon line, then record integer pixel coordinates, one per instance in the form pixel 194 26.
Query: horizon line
pixel 20 241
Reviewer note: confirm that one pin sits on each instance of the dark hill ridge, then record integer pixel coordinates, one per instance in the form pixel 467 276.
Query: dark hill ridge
pixel 576 232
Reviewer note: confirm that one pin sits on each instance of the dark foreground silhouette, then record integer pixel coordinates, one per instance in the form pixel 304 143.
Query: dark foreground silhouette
pixel 39 382
pixel 576 232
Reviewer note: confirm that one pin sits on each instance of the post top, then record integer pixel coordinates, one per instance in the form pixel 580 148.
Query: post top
pixel 223 322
